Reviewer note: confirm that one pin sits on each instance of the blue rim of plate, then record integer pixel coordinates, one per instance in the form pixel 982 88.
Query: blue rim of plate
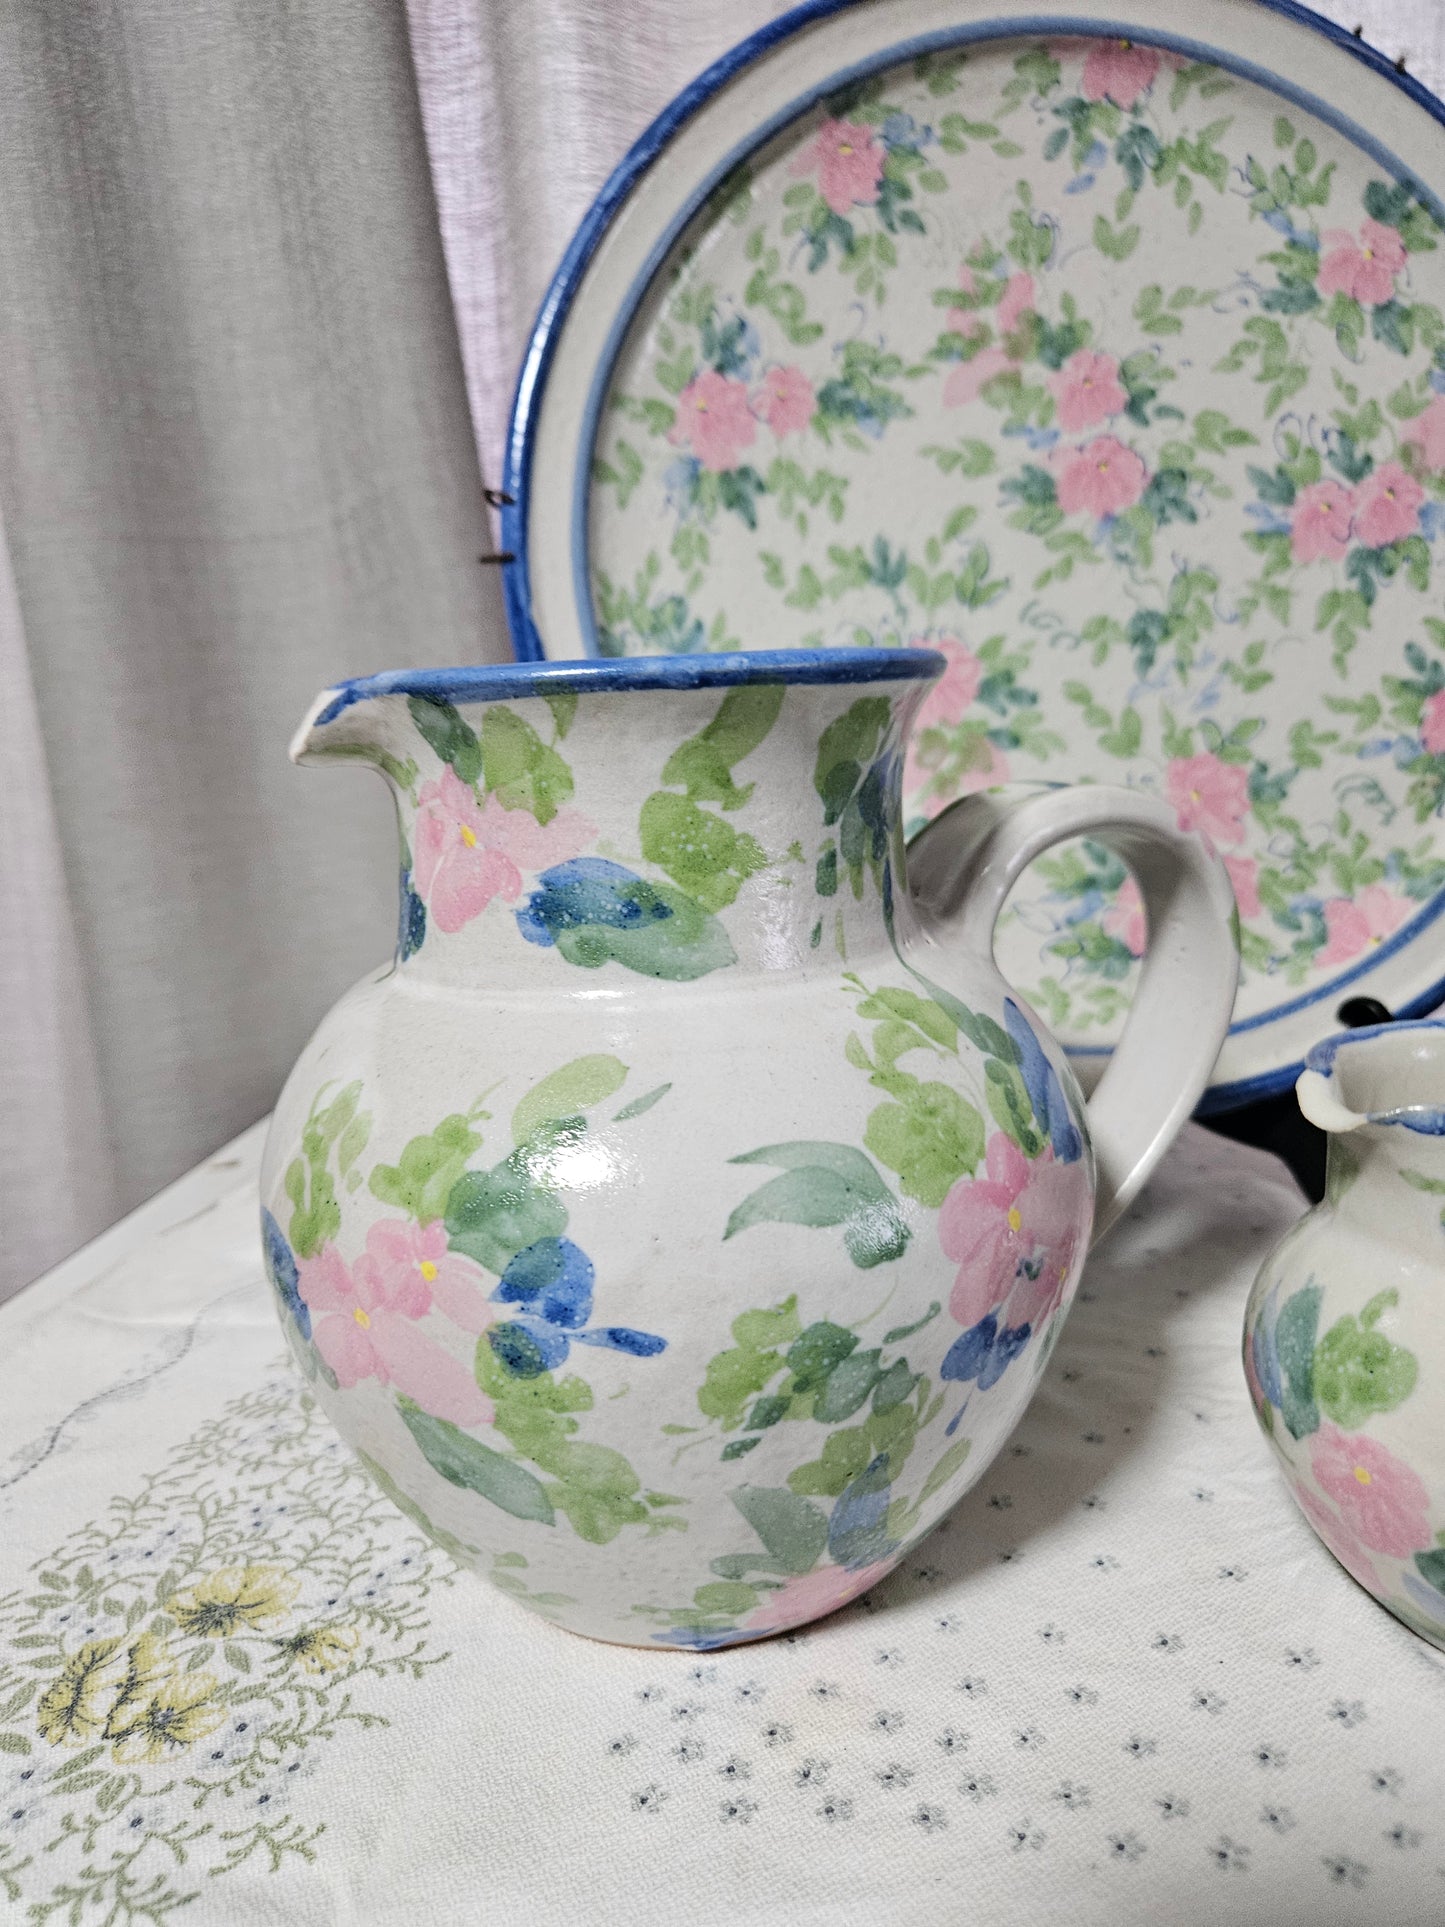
pixel 649 146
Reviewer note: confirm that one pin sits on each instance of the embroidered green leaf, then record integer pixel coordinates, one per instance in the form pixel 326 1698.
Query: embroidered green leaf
pixel 820 1185
pixel 465 1461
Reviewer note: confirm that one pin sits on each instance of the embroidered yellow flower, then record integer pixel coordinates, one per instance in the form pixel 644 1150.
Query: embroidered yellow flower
pixel 182 1710
pixel 321 1649
pixel 233 1600
pixel 71 1709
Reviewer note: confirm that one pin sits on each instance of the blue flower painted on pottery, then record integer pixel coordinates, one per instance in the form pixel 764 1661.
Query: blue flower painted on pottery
pixel 984 1352
pixel 281 1270
pixel 553 1279
pixel 412 932
pixel 597 912
pixel 858 1523
pixel 589 892
pixel 1046 1093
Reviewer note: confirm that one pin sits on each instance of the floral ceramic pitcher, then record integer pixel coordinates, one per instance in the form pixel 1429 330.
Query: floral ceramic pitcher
pixel 682 1221
pixel 1344 1342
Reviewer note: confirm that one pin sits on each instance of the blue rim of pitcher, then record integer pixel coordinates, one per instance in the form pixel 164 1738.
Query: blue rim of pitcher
pixel 650 144
pixel 592 675
pixel 1427 1119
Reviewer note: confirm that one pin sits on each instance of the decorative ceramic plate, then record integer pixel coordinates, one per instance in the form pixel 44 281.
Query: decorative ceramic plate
pixel 1106 356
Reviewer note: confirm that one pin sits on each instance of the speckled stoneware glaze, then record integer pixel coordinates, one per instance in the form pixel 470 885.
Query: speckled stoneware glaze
pixel 680 1223
pixel 1344 1343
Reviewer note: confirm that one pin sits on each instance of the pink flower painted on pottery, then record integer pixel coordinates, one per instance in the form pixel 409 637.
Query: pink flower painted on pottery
pixel 1432 724
pixel 966 379
pixel 1102 477
pixel 714 420
pixel 785 400
pixel 1244 881
pixel 1125 918
pixel 1427 433
pixel 1015 302
pixel 848 159
pixel 365 1326
pixel 1319 529
pixel 464 853
pixel 1020 1225
pixel 1338 1537
pixel 1355 925
pixel 812 1594
pixel 1208 796
pixel 1387 506
pixel 408 1265
pixel 1118 70
pixel 1365 268
pixel 1086 390
pixel 1382 1501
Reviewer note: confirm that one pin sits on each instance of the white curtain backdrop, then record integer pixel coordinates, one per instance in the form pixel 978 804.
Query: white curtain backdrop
pixel 241 245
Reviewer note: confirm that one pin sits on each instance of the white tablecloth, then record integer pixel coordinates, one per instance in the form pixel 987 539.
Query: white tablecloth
pixel 1123 1683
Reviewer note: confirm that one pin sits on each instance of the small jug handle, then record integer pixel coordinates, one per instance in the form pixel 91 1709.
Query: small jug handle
pixel 961 868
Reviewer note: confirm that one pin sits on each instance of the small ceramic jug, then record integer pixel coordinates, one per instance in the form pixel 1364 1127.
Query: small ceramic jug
pixel 1344 1336
pixel 681 1222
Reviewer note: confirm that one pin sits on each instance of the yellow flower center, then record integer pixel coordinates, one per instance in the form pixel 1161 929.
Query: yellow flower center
pixel 362 1319
pixel 1015 1218
pixel 428 1270
pixel 1364 1477
pixel 1194 796
pixel 1369 254
pixel 1390 494
pixel 845 147
pixel 1104 467
pixel 469 837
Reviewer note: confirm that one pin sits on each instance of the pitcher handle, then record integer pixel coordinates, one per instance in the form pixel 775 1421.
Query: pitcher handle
pixel 960 871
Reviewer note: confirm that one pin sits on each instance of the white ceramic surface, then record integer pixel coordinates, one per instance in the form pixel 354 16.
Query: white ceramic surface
pixel 691 1210
pixel 1344 1343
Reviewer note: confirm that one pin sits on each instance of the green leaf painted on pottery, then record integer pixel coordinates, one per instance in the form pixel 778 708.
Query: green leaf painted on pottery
pixel 907 1007
pixel 847 1386
pixel 465 1461
pixel 793 1530
pixel 703 765
pixel 682 945
pixel 1418 1181
pixel 522 771
pixel 858 1529
pixel 572 1088
pixel 492 1215
pixel 1358 1371
pixel 822 1185
pixel 728 1596
pixel 894 1385
pixel 845 748
pixel 698 850
pixel 931 1139
pixel 1294 1337
pixel 449 734
pixel 950 1462
pixel 1431 1567
pixel 421 1180
pixel 563 705
pixel 739 1448
pixel 776 1326
pixel 639 1105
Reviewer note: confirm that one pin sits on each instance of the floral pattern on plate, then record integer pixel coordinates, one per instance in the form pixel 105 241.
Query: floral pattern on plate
pixel 1122 385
